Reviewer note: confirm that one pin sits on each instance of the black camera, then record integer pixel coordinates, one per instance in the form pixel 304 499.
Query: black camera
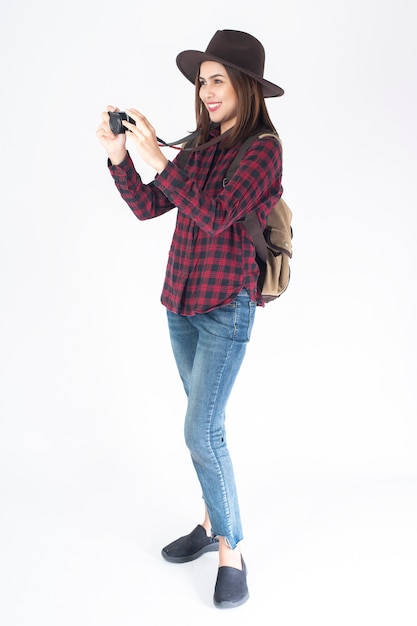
pixel 115 122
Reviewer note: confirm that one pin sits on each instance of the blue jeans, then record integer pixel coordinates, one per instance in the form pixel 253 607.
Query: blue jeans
pixel 209 350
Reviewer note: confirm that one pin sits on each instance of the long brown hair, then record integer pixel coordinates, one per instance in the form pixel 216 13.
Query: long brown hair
pixel 252 114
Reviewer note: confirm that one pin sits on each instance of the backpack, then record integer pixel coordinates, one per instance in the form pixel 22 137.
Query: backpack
pixel 274 244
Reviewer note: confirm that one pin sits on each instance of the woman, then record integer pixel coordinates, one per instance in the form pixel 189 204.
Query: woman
pixel 210 289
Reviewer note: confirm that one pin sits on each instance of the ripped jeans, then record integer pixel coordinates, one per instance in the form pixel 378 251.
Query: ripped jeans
pixel 209 350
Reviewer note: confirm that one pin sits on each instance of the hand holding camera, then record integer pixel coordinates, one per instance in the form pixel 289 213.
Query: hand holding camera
pixel 114 144
pixel 116 121
pixel 112 134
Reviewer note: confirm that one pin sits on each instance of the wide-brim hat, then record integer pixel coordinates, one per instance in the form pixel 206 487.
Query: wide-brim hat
pixel 231 48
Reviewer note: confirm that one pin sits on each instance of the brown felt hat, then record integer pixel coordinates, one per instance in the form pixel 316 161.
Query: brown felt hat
pixel 235 49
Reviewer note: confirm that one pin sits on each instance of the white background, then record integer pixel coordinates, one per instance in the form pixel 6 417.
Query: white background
pixel 95 477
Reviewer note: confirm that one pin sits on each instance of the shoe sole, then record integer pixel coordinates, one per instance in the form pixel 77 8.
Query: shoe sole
pixel 231 605
pixel 213 547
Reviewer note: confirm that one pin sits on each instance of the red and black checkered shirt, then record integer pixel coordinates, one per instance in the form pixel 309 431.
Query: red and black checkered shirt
pixel 212 257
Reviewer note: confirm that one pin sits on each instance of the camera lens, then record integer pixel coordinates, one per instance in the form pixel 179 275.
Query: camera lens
pixel 115 122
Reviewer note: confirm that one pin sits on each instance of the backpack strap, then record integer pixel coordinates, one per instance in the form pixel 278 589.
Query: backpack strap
pixel 254 229
pixel 251 221
pixel 243 148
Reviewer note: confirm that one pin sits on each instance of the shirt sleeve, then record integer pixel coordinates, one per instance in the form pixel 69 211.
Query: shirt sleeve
pixel 145 200
pixel 257 178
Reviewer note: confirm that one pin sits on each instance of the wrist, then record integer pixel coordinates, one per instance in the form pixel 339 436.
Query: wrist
pixel 161 165
pixel 117 157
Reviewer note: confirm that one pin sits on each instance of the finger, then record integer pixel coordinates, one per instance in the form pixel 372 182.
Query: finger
pixel 142 123
pixel 135 115
pixel 132 127
pixel 102 132
pixel 139 118
pixel 111 109
pixel 103 126
pixel 135 112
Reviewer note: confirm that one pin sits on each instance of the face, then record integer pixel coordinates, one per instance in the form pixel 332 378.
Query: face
pixel 218 95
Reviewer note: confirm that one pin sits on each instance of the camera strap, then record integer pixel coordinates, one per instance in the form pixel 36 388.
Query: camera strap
pixel 190 138
pixel 174 144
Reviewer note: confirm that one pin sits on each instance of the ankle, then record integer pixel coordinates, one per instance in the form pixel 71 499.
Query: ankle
pixel 229 557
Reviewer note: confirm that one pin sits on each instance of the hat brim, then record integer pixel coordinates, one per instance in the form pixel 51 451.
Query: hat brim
pixel 189 61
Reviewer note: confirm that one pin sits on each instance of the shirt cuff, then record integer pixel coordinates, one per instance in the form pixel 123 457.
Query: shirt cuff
pixel 124 165
pixel 170 177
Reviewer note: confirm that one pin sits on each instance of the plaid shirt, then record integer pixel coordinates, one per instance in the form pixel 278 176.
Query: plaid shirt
pixel 212 257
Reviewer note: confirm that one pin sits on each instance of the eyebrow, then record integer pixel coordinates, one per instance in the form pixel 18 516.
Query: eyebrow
pixel 210 77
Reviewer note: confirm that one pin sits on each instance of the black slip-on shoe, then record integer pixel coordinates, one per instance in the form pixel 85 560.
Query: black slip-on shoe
pixel 231 588
pixel 190 547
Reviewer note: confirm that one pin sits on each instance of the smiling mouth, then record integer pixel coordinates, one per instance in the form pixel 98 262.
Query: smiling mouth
pixel 213 106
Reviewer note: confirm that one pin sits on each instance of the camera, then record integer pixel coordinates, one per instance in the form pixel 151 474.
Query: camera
pixel 115 122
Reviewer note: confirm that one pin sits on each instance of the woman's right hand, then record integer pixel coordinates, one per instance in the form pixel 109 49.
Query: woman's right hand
pixel 115 145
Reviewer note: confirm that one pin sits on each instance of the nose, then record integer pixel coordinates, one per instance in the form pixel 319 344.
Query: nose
pixel 207 90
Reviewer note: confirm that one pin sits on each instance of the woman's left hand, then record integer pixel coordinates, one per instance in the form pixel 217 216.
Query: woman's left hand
pixel 144 137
